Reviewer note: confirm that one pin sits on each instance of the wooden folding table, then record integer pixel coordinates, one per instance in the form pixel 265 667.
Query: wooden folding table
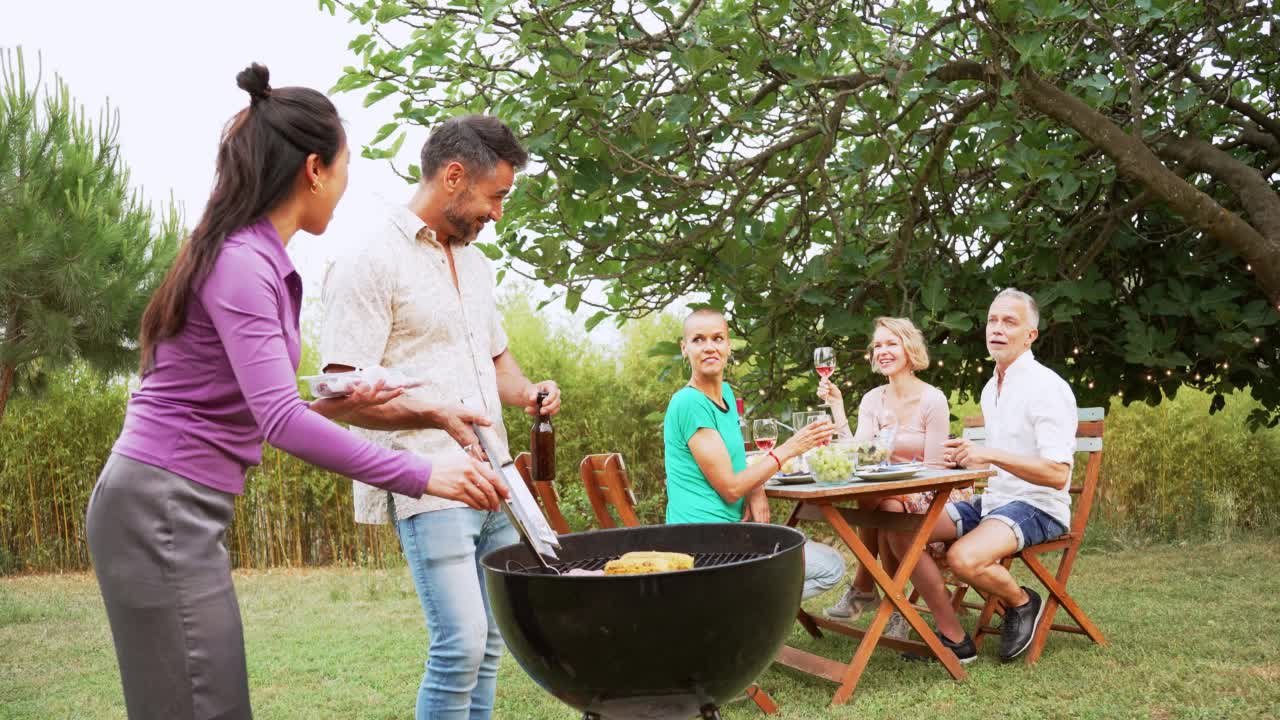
pixel 817 502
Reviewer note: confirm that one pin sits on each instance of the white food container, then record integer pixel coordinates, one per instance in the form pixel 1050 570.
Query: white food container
pixel 330 385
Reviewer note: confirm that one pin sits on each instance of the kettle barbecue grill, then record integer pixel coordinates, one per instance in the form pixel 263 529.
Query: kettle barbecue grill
pixel 661 645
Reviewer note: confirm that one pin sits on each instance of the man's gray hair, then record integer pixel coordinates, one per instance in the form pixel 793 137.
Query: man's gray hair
pixel 1032 308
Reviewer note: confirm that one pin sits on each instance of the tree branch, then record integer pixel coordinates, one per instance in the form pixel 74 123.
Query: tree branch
pixel 1256 195
pixel 1270 124
pixel 1135 160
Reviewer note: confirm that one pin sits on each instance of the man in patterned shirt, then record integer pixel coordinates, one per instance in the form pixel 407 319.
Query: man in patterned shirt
pixel 418 296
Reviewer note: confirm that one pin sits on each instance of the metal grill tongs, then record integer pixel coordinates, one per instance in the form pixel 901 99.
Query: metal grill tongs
pixel 523 510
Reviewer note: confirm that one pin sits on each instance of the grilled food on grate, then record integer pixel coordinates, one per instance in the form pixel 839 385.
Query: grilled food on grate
pixel 639 563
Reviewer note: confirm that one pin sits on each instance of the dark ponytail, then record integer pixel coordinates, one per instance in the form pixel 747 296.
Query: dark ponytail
pixel 262 149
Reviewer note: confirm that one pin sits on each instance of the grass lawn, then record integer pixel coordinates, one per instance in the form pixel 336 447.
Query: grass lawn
pixel 1193 633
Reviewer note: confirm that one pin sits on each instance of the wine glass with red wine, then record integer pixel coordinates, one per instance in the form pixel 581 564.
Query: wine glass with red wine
pixel 765 432
pixel 824 361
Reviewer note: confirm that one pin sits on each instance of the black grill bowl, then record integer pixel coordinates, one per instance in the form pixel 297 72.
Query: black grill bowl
pixel 664 645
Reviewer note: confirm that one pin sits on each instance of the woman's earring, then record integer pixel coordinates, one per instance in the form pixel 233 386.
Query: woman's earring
pixel 316 187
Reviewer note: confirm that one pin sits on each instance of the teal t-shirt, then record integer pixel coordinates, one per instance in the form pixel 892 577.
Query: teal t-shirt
pixel 690 498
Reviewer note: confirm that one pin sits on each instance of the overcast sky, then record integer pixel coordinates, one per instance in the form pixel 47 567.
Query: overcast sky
pixel 169 67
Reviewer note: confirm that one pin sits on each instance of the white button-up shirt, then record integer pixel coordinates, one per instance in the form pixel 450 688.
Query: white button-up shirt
pixel 393 303
pixel 1034 414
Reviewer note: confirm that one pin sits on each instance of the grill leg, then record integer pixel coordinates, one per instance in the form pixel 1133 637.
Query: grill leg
pixel 590 716
pixel 710 712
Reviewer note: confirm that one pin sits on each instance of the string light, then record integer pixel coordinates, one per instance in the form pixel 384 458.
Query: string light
pixel 1168 373
pixel 1248 267
pixel 1225 366
pixel 866 356
pixel 1256 339
pixel 1197 376
pixel 939 363
pixel 1076 351
pixel 1090 384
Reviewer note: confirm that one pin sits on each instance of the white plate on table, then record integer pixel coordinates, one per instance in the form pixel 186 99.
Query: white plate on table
pixel 878 473
pixel 794 479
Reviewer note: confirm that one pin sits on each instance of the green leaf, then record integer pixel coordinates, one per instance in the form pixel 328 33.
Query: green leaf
pixel 957 321
pixel 933 294
pixel 384 132
pixel 379 91
pixel 596 319
pixel 678 107
pixel 815 296
pixel 390 11
pixel 645 126
pixel 572 299
pixel 491 251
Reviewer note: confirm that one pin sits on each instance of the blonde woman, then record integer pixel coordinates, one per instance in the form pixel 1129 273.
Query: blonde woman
pixel 922 418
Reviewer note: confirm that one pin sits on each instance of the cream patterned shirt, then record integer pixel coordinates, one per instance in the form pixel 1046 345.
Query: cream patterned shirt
pixel 393 303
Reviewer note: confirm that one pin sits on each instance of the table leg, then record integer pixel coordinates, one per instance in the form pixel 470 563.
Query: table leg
pixel 893 589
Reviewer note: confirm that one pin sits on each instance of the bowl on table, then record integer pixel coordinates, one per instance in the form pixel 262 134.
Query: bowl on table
pixel 834 463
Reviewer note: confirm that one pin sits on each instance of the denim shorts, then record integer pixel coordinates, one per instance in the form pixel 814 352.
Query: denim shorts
pixel 1030 524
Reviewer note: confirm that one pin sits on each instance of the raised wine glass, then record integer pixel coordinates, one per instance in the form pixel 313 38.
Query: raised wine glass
pixel 765 432
pixel 820 416
pixel 824 361
pixel 886 432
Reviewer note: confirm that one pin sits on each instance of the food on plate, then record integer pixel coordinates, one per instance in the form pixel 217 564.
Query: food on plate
pixel 640 563
pixel 831 463
pixel 872 455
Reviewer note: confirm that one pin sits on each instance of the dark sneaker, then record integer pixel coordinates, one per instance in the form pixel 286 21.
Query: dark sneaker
pixel 965 650
pixel 1019 625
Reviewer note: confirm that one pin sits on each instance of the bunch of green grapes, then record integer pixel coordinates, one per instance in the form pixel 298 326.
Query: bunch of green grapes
pixel 830 464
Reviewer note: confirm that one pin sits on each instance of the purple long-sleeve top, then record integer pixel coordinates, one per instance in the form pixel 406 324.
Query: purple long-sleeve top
pixel 227 382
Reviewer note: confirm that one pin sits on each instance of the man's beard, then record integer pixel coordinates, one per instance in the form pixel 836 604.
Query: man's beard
pixel 462 228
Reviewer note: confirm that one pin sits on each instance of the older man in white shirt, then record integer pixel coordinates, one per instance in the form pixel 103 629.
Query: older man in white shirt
pixel 1030 416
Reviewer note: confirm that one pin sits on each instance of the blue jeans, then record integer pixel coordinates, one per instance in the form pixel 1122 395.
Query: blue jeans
pixel 443 549
pixel 1030 525
pixel 823 568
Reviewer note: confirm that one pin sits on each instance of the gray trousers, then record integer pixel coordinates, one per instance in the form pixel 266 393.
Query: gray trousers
pixel 156 540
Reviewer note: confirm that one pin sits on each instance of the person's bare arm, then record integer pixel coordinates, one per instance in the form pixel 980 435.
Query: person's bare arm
pixel 1035 470
pixel 516 389
pixel 713 460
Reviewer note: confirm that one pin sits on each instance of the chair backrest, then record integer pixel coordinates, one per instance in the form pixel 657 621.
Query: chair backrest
pixel 545 493
pixel 607 484
pixel 1088 440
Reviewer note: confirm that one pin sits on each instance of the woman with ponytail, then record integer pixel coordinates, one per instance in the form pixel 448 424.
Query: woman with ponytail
pixel 220 351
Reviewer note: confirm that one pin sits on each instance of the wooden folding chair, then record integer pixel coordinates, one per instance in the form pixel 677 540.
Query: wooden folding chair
pixel 1088 440
pixel 545 493
pixel 608 486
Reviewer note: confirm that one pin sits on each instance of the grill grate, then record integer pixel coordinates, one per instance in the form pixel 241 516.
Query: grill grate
pixel 700 560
